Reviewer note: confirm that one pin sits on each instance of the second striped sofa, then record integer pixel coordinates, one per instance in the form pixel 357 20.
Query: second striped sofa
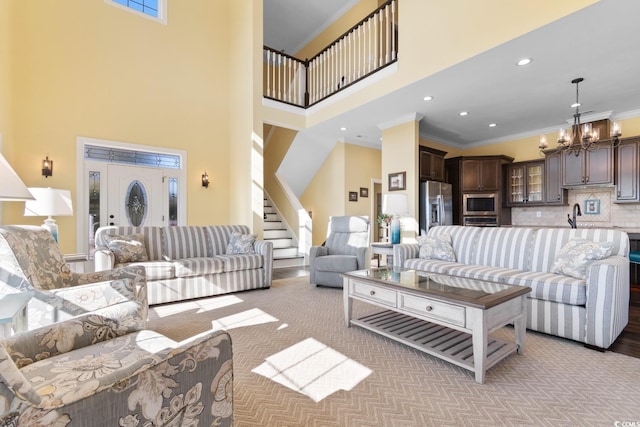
pixel 594 310
pixel 184 262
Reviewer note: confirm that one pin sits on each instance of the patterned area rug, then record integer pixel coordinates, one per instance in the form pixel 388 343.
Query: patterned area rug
pixel 296 364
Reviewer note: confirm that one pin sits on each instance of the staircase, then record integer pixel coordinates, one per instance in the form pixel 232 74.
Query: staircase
pixel 285 246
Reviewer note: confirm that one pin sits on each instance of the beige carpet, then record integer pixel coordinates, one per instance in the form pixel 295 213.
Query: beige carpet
pixel 324 374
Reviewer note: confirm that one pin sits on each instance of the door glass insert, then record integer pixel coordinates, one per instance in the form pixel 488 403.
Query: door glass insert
pixel 173 201
pixel 136 203
pixel 94 209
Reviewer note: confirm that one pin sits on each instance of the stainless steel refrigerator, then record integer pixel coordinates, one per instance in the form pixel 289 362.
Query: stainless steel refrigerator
pixel 436 205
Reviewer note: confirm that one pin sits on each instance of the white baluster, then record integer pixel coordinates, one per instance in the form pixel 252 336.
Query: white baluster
pixel 393 33
pixel 389 24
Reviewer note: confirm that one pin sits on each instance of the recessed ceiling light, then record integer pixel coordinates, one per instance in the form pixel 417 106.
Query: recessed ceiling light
pixel 343 128
pixel 463 113
pixel 524 61
pixel 427 98
pixel 492 125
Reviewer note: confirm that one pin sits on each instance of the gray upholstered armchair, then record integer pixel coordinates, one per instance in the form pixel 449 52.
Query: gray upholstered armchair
pixel 346 249
pixel 31 261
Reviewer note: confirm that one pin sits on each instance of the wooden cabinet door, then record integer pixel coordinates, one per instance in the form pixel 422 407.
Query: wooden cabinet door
pixel 599 163
pixel 573 168
pixel 437 167
pixel 535 182
pixel 489 175
pixel 554 193
pixel 470 175
pixel 627 172
pixel 516 176
pixel 431 166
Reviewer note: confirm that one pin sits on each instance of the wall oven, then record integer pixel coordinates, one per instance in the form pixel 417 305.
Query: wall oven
pixel 480 204
pixel 481 221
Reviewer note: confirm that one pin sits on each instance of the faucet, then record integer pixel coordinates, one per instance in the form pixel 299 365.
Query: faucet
pixel 576 212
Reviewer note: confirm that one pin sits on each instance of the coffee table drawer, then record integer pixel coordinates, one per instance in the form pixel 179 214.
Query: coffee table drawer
pixel 374 293
pixel 425 307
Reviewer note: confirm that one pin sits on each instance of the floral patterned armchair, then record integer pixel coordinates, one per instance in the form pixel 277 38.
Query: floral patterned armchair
pixel 104 368
pixel 30 260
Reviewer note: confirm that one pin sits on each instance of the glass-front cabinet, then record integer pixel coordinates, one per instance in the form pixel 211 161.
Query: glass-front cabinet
pixel 525 183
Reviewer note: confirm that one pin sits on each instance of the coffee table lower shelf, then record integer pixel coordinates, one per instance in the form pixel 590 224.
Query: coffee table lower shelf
pixel 448 344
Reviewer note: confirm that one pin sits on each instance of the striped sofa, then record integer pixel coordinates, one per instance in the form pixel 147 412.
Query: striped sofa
pixel 187 262
pixel 593 311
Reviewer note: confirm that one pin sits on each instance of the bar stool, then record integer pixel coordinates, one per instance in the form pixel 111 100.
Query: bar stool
pixel 634 257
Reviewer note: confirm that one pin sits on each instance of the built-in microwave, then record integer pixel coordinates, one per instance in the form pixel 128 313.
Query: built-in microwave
pixel 480 204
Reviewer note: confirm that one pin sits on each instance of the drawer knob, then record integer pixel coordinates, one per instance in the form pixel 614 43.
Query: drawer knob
pixel 429 308
pixel 372 293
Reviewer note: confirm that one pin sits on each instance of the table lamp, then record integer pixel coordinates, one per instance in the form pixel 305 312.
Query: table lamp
pixel 12 187
pixel 396 205
pixel 49 202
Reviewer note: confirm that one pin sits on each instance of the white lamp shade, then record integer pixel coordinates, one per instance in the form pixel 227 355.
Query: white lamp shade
pixel 12 187
pixel 395 204
pixel 49 202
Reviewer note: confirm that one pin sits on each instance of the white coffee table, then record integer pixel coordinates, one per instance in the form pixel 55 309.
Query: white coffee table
pixel 445 316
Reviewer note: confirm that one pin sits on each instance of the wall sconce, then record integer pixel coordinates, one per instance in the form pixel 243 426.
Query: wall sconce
pixel 47 167
pixel 205 180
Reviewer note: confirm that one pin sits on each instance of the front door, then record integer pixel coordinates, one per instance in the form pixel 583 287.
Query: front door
pixel 135 196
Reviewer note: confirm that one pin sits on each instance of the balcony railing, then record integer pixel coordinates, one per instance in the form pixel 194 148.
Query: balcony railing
pixel 368 47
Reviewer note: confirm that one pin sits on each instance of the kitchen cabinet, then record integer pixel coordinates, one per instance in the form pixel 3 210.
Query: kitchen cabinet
pixel 431 164
pixel 588 167
pixel 478 175
pixel 554 194
pixel 525 183
pixel 627 170
pixel 481 174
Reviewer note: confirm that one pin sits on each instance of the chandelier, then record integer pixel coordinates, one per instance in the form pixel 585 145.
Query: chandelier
pixel 580 136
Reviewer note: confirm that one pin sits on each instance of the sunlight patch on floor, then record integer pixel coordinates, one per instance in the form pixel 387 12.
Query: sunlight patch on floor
pixel 199 306
pixel 251 317
pixel 313 369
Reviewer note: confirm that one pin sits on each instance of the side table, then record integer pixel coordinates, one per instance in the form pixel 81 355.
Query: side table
pixel 13 312
pixel 383 249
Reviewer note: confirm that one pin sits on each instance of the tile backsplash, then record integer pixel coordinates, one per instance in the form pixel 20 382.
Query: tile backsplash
pixel 598 210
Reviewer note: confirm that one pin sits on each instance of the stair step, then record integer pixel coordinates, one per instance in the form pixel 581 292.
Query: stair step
pixel 285 252
pixel 282 243
pixel 272 225
pixel 269 209
pixel 289 262
pixel 268 216
pixel 276 234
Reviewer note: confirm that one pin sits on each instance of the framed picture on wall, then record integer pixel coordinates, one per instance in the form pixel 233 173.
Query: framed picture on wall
pixel 353 196
pixel 592 207
pixel 397 181
pixel 364 192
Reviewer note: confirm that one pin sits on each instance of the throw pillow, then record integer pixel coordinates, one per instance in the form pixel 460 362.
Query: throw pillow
pixel 577 254
pixel 240 243
pixel 438 247
pixel 128 248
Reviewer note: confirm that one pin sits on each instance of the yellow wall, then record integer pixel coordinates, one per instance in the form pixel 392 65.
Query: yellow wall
pixel 246 177
pixel 278 140
pixel 86 68
pixel 400 154
pixel 5 80
pixel 347 168
pixel 337 28
pixel 434 36
pixel 362 165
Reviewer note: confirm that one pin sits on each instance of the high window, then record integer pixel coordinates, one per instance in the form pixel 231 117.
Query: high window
pixel 155 9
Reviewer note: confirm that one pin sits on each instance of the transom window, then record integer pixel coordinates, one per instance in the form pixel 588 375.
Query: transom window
pixel 152 8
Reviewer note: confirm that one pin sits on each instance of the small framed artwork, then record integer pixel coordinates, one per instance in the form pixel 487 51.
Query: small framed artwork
pixel 397 181
pixel 592 207
pixel 353 196
pixel 364 192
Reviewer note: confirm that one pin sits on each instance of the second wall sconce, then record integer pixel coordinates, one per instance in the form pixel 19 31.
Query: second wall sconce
pixel 47 167
pixel 205 180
